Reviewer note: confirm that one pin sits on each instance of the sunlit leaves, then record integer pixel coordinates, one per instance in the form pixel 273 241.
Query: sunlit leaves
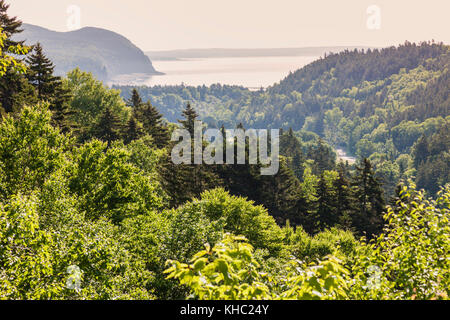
pixel 7 59
pixel 228 271
pixel 412 253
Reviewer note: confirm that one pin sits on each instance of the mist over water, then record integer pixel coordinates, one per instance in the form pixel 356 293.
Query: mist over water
pixel 250 72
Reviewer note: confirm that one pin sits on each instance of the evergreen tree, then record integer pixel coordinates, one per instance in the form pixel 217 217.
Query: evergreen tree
pixel 242 179
pixel 108 127
pixel 367 215
pixel 280 193
pixel 173 179
pixel 9 25
pixel 40 74
pixel 421 151
pixel 60 106
pixel 327 213
pixel 190 115
pixel 153 124
pixel 133 130
pixel 135 100
pixel 50 88
pixel 15 92
pixel 185 181
pixel 319 125
pixel 433 163
pixel 322 156
pixel 343 196
pixel 291 148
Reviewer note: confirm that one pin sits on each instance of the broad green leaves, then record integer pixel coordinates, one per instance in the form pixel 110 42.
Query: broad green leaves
pixel 109 185
pixel 229 271
pixel 90 99
pixel 412 253
pixel 7 59
pixel 30 151
pixel 25 253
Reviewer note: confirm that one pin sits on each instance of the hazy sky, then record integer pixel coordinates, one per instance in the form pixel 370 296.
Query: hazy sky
pixel 178 24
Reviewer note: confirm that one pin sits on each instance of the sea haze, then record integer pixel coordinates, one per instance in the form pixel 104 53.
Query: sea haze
pixel 251 68
pixel 250 72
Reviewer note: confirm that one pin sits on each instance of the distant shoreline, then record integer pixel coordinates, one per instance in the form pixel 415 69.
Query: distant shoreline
pixel 174 55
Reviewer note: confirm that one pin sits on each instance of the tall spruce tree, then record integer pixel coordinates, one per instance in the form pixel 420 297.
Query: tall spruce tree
pixel 108 128
pixel 60 107
pixel 153 124
pixel 185 181
pixel 327 213
pixel 240 179
pixel 189 115
pixel 343 196
pixel 182 182
pixel 367 215
pixel 9 25
pixel 50 88
pixel 322 156
pixel 133 130
pixel 421 151
pixel 291 148
pixel 135 100
pixel 40 74
pixel 279 193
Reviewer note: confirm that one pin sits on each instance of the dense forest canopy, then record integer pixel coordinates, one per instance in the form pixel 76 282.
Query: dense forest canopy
pixel 376 104
pixel 92 207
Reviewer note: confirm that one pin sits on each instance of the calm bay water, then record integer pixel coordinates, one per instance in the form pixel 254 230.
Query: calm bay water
pixel 251 72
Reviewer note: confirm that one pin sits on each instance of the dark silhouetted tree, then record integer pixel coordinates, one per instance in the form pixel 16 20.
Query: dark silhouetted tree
pixel 367 215
pixel 40 74
pixel 189 115
pixel 153 124
pixel 60 106
pixel 108 128
pixel 133 130
pixel 135 100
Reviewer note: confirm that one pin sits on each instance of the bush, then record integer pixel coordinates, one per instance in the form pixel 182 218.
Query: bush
pixel 412 255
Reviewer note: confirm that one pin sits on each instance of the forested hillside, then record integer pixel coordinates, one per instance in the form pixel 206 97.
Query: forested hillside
pixel 93 207
pixel 376 104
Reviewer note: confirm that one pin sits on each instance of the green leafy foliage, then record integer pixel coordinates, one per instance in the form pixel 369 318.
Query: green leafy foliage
pixel 31 149
pixel 396 265
pixel 229 271
pixel 92 207
pixel 26 253
pixel 90 100
pixel 109 185
pixel 236 215
pixel 412 255
pixel 7 56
